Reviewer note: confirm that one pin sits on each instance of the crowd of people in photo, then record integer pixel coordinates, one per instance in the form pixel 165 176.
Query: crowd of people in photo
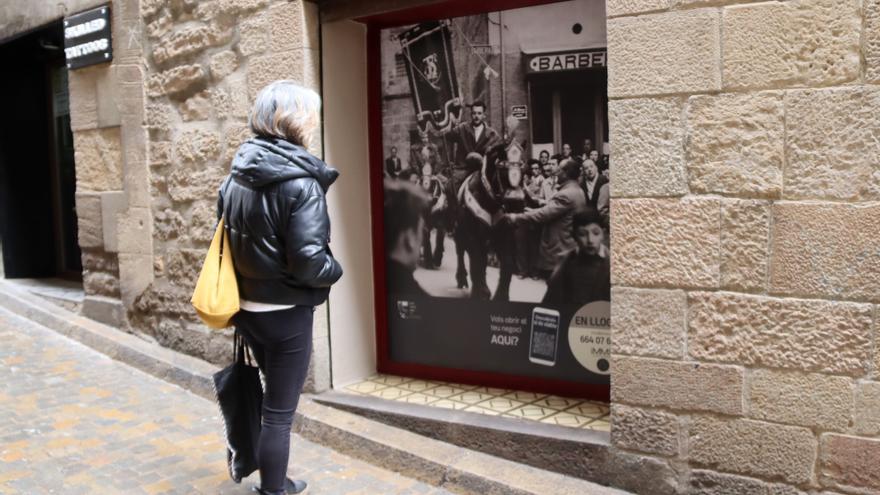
pixel 553 220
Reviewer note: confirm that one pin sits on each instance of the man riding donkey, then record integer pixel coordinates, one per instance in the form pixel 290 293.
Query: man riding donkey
pixel 475 191
pixel 471 140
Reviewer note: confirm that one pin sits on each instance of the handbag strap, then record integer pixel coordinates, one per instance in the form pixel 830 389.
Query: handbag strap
pixel 240 350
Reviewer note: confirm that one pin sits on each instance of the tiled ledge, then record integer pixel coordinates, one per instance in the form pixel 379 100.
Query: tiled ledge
pixel 488 401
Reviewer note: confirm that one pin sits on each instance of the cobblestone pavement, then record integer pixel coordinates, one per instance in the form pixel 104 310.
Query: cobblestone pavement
pixel 73 421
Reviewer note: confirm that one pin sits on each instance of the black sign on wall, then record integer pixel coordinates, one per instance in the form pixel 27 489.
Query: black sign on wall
pixel 87 39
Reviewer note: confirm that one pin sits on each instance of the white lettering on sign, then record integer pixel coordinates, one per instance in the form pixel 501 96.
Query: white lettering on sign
pixel 85 28
pixel 566 61
pixel 87 48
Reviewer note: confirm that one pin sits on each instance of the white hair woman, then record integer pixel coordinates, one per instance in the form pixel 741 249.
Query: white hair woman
pixel 276 218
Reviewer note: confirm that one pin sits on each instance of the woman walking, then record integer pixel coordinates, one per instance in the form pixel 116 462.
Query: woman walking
pixel 276 219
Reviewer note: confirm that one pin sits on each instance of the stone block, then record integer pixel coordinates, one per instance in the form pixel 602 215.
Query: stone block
pixel 88 215
pixel 127 10
pixel 149 8
pixel 167 224
pixel 867 410
pixel 128 45
pixel 876 373
pixel 745 237
pixel 132 102
pixel 222 31
pixel 312 23
pixel 108 97
pixel 832 144
pixel 98 159
pixel 826 250
pixel 239 99
pixel 701 482
pixel 177 80
pixel 796 334
pixel 186 186
pixel 648 137
pixel 800 42
pixel 207 10
pixel 241 6
pixel 754 448
pixel 182 267
pixel 290 28
pixel 253 35
pixel 158 186
pixel 677 385
pixel 187 41
pixel 106 310
pixel 196 108
pixel 83 93
pixel 648 322
pixel 135 232
pixel 672 52
pixel 197 147
pixel 129 73
pixel 735 144
pixel 850 462
pixel 641 474
pixel 318 378
pixel 112 204
pixel 101 284
pixel 234 134
pixel 644 430
pixel 202 222
pixel 222 64
pixel 662 243
pixel 135 275
pixel 160 153
pixel 871 40
pixel 136 175
pixel 292 64
pixel 159 27
pixel 158 117
pixel 616 8
pixel 221 102
pixel 814 400
pixel 99 261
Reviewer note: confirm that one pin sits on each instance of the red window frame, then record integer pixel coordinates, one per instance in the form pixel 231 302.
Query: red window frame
pixel 375 23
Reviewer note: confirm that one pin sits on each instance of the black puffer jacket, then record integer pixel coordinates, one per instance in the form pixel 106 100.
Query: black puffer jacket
pixel 276 219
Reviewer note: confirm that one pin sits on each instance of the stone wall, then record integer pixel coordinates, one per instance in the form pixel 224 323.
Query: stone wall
pixel 106 104
pixel 746 248
pixel 205 62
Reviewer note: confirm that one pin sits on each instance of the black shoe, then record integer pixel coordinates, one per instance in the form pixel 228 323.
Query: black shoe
pixel 290 487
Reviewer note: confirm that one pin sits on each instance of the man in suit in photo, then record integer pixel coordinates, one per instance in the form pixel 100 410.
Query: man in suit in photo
pixel 475 136
pixel 592 182
pixel 556 218
pixel 393 165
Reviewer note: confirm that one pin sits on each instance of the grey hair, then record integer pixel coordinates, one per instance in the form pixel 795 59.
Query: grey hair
pixel 286 110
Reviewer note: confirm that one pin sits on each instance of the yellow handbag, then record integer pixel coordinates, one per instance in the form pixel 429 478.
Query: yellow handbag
pixel 216 295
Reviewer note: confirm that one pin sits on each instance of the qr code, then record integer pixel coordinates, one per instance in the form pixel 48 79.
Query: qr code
pixel 543 344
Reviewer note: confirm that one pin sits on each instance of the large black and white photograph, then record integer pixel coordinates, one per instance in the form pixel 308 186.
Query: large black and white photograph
pixel 496 191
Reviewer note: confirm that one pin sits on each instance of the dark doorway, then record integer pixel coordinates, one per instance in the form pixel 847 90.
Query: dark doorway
pixel 568 108
pixel 37 178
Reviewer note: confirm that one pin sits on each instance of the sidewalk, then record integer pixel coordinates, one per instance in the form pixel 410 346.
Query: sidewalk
pixel 76 421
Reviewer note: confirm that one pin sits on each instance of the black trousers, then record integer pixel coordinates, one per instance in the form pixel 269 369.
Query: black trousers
pixel 281 342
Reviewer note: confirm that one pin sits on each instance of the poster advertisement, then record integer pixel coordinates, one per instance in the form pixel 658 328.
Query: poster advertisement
pixel 496 189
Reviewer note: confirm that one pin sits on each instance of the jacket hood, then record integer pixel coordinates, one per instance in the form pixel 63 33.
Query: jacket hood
pixel 261 161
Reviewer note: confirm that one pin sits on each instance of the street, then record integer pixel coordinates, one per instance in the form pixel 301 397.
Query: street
pixel 441 282
pixel 77 422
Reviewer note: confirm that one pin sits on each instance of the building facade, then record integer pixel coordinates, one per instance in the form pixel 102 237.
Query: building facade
pixel 745 266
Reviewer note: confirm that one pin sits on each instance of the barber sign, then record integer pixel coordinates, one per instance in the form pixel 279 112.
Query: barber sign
pixel 87 39
pixel 566 61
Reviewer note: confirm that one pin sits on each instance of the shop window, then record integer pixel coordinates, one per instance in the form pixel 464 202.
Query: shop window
pixel 491 173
